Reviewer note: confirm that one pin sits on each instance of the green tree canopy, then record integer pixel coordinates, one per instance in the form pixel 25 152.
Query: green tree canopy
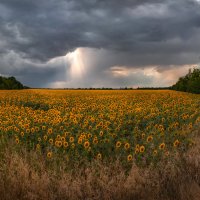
pixel 10 83
pixel 189 83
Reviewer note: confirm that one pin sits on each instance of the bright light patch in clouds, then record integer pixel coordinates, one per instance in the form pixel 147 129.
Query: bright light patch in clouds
pixel 118 71
pixel 77 65
pixel 84 68
pixel 165 77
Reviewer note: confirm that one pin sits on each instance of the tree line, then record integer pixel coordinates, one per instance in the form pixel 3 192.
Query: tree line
pixel 10 83
pixel 189 83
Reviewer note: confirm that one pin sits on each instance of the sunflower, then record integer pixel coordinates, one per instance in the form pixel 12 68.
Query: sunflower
pixel 80 140
pixel 58 143
pixel 71 139
pixel 26 125
pixel 118 144
pixel 50 131
pixel 37 129
pixel 127 146
pixel 100 124
pixel 45 137
pixel 143 135
pixel 22 134
pixel 149 138
pixel 65 144
pixel 129 157
pixel 176 143
pixel 97 126
pixel 95 141
pixel 137 150
pixel 155 152
pixel 84 136
pixel 99 156
pixel 49 154
pixel 32 130
pixel 17 140
pixel 28 130
pixel 142 149
pixel 162 146
pixel 101 133
pixel 86 144
pixel 51 141
pixel 58 137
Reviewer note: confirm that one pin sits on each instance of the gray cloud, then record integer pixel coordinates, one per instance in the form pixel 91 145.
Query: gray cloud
pixel 31 73
pixel 132 33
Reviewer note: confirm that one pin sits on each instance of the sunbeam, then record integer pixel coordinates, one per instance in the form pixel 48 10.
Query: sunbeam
pixel 77 65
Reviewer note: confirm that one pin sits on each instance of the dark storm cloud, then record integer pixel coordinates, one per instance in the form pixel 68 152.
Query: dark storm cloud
pixel 134 32
pixel 46 29
pixel 31 73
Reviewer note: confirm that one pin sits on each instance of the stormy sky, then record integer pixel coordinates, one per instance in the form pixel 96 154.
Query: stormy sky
pixel 99 43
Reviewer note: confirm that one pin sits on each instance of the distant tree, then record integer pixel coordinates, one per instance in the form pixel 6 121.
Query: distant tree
pixel 189 83
pixel 10 83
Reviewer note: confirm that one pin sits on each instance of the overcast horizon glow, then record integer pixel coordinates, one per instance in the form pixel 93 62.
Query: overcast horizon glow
pixel 99 43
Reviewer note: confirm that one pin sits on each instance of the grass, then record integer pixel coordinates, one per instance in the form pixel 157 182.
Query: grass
pixel 26 175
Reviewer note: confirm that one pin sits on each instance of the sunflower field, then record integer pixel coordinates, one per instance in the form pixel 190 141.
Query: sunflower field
pixel 97 124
